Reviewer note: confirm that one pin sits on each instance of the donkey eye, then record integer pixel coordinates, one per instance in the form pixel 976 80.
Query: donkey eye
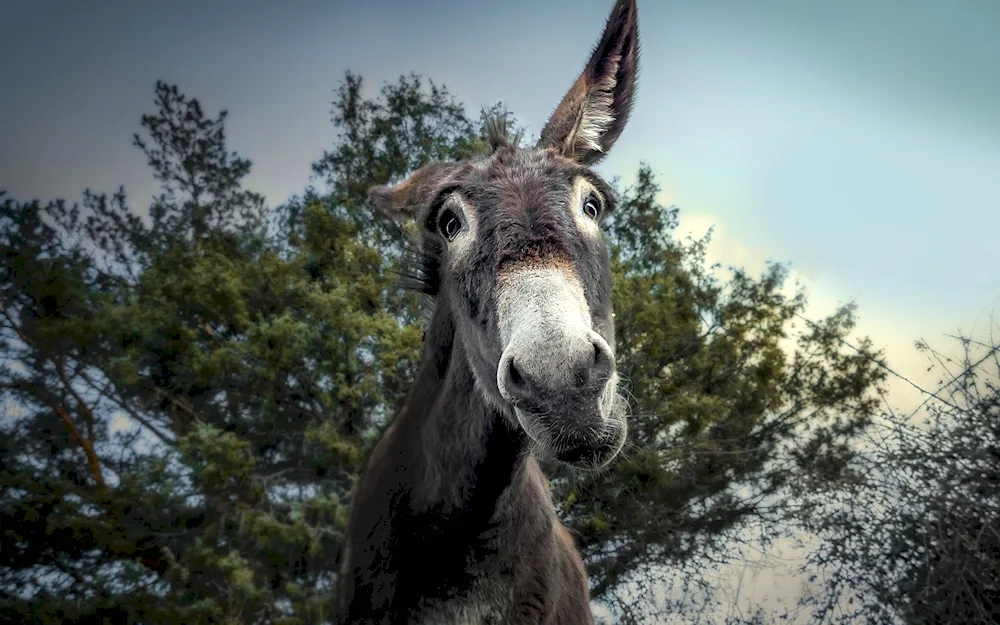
pixel 449 225
pixel 592 207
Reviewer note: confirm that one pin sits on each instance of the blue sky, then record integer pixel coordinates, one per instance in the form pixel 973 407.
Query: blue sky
pixel 859 140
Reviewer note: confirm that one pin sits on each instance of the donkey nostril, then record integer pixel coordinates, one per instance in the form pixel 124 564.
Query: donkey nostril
pixel 515 375
pixel 603 362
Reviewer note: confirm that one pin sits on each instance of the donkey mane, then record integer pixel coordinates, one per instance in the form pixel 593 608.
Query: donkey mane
pixel 452 521
pixel 497 129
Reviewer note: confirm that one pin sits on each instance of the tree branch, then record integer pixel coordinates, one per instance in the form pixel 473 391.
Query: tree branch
pixel 88 448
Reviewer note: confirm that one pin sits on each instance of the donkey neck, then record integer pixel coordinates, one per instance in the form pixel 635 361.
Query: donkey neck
pixel 468 453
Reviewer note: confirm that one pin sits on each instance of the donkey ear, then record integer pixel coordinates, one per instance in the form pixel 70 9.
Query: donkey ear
pixel 594 111
pixel 404 199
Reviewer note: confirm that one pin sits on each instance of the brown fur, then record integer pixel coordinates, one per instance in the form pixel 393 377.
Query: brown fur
pixel 452 521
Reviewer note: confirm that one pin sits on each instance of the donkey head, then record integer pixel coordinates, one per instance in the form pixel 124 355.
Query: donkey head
pixel 511 245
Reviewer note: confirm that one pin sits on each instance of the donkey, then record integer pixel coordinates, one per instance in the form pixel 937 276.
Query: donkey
pixel 452 521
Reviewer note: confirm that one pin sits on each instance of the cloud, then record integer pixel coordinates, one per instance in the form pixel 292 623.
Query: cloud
pixel 889 328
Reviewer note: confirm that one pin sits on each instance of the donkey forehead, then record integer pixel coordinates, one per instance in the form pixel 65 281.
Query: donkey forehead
pixel 512 181
pixel 520 201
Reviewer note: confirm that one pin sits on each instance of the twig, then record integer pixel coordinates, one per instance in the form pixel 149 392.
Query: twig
pixel 88 448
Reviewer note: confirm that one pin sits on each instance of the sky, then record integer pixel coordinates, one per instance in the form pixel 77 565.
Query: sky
pixel 858 140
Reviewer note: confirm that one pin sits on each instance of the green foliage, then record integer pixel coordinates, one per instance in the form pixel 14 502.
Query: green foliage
pixel 191 397
pixel 187 398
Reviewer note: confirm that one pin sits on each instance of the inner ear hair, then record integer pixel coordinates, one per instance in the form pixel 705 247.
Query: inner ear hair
pixel 404 199
pixel 594 111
